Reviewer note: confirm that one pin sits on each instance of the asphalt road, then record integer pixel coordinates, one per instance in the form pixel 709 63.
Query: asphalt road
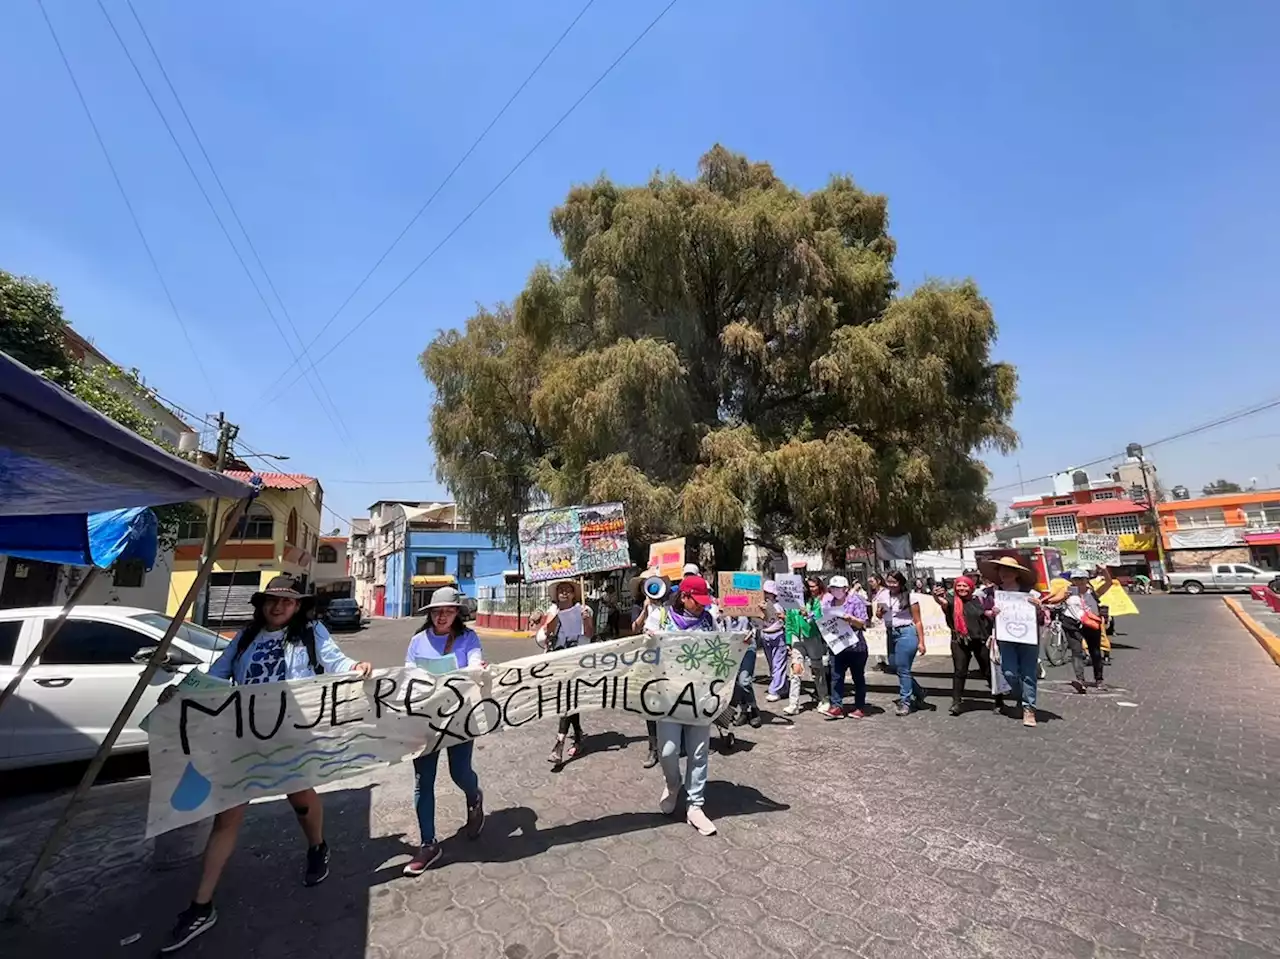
pixel 384 641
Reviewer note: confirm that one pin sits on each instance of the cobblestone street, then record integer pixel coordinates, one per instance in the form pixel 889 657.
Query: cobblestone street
pixel 1138 822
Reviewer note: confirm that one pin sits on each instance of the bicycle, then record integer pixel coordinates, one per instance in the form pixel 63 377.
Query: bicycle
pixel 1056 649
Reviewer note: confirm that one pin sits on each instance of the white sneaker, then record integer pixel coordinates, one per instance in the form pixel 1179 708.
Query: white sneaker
pixel 822 707
pixel 772 698
pixel 699 821
pixel 668 801
pixel 791 709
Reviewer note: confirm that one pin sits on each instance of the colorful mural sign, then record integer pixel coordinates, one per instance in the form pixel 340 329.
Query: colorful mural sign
pixel 667 557
pixel 573 541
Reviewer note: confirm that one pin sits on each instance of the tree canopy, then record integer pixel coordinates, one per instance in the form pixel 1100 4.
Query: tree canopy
pixel 725 354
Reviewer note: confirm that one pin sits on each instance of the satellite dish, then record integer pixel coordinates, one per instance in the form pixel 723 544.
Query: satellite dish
pixel 656 588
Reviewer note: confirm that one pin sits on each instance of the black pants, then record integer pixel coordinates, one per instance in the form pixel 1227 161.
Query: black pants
pixel 652 728
pixel 1079 637
pixel 575 722
pixel 962 651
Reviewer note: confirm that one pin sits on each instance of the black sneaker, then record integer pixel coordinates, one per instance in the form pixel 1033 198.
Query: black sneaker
pixel 651 760
pixel 755 721
pixel 475 818
pixel 192 921
pixel 317 865
pixel 424 860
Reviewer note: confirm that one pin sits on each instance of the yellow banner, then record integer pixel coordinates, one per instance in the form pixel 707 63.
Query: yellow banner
pixel 1116 599
pixel 1137 542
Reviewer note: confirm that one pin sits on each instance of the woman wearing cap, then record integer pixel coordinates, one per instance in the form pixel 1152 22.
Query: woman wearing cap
pixel 444 636
pixel 773 640
pixel 571 620
pixel 850 607
pixel 691 612
pixel 970 618
pixel 1018 661
pixel 1082 622
pixel 902 622
pixel 281 643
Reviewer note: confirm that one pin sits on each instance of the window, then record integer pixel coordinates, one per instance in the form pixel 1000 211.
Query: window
pixel 1061 525
pixel 1063 501
pixel 326 554
pixel 9 631
pixel 1119 525
pixel 82 642
pixel 291 530
pixel 1022 513
pixel 429 566
pixel 194 527
pixel 197 636
pixel 1103 494
pixel 1192 518
pixel 466 564
pixel 383 564
pixel 256 524
pixel 130 573
pixel 1262 515
pixel 1248 570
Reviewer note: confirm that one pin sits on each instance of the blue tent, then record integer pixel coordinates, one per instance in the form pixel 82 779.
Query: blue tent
pixel 85 539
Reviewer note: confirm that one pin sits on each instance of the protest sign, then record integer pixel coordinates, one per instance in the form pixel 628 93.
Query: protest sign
pixel 667 557
pixel 1117 601
pixel 742 594
pixel 1098 549
pixel 937 634
pixel 1017 621
pixel 836 633
pixel 790 591
pixel 574 541
pixel 212 750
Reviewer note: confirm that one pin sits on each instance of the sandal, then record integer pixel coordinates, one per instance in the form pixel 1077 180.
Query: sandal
pixel 574 747
pixel 557 754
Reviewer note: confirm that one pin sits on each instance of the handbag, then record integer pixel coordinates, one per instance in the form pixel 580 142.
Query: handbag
pixel 1090 620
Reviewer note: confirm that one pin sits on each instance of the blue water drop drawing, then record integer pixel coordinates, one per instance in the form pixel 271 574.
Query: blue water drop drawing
pixel 192 790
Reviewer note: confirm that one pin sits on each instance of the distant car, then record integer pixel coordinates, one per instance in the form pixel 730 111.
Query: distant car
pixel 68 701
pixel 342 614
pixel 469 607
pixel 1220 578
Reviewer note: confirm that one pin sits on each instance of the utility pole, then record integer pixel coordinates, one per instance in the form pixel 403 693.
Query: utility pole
pixel 1135 450
pixel 227 433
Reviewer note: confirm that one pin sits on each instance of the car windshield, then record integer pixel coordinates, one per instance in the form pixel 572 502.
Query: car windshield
pixel 343 604
pixel 196 636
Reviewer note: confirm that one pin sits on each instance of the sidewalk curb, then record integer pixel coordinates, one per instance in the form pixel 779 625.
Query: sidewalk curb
pixel 1266 639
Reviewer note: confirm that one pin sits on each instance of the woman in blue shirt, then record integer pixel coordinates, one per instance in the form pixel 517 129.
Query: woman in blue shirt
pixel 444 635
pixel 281 643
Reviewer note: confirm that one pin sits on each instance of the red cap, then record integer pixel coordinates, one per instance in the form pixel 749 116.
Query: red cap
pixel 696 587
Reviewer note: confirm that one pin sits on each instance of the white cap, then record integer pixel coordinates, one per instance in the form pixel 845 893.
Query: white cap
pixel 838 582
pixel 691 569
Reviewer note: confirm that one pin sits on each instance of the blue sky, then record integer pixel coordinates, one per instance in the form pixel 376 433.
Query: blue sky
pixel 1104 171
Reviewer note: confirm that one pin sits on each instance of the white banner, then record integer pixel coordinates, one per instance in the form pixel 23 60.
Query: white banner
pixel 1017 621
pixel 212 750
pixel 1098 549
pixel 937 634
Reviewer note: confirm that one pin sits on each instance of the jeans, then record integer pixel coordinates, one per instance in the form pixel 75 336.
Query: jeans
pixel 1019 662
pixel 905 643
pixel 745 693
pixel 1078 637
pixel 697 747
pixel 853 660
pixel 424 785
pixel 778 656
pixel 962 651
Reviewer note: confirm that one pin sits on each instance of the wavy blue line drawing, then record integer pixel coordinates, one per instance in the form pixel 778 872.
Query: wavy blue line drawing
pixel 353 767
pixel 346 739
pixel 264 784
pixel 348 759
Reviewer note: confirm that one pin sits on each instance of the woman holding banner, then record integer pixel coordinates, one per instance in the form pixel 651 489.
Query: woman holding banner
pixel 1019 661
pixel 570 618
pixel 851 608
pixel 902 624
pixel 444 636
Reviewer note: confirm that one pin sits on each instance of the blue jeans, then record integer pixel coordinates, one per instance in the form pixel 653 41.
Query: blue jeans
pixel 1020 662
pixel 905 641
pixel 697 747
pixel 745 694
pixel 424 785
pixel 855 661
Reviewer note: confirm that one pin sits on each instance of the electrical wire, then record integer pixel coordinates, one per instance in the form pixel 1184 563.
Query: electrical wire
pixel 124 195
pixel 442 184
pixel 334 417
pixel 485 199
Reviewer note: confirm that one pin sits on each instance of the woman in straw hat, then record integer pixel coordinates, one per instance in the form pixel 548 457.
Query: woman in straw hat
pixel 1018 660
pixel 281 643
pixel 570 618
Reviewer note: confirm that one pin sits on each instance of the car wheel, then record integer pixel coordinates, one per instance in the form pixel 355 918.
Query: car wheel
pixel 1194 588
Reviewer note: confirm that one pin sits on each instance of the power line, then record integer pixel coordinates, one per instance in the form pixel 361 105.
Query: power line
pixel 443 183
pixel 335 417
pixel 496 187
pixel 124 195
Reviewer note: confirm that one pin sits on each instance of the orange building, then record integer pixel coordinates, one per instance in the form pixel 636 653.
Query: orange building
pixel 1230 528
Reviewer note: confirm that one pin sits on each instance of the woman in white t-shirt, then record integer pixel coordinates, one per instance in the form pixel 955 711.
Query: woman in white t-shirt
pixel 568 621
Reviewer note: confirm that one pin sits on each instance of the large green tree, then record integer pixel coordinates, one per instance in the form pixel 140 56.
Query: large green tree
pixel 725 354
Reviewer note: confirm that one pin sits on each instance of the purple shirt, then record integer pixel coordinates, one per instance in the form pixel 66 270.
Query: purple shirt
pixel 427 645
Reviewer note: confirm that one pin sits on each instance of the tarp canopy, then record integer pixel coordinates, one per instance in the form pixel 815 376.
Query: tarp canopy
pixel 60 456
pixel 93 539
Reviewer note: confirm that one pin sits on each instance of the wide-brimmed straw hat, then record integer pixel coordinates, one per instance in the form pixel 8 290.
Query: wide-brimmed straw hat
pixel 991 569
pixel 285 587
pixel 442 597
pixel 561 583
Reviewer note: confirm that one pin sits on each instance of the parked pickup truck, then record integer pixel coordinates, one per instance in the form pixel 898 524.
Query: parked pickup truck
pixel 1221 578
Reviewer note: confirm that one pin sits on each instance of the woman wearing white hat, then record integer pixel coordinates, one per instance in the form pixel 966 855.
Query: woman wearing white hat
pixel 570 618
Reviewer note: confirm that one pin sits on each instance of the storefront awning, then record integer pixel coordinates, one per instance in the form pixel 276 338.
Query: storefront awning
pixel 1263 539
pixel 435 581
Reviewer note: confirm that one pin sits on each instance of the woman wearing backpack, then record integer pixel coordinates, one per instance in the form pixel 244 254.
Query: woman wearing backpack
pixel 444 634
pixel 281 643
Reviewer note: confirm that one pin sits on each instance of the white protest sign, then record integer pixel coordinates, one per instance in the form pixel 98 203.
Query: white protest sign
pixel 1098 549
pixel 1017 621
pixel 212 750
pixel 937 634
pixel 836 633
pixel 790 590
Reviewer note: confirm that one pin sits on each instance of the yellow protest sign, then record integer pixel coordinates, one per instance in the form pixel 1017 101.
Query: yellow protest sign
pixel 1117 601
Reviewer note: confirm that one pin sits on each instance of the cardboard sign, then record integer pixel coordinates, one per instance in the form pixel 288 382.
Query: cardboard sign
pixel 667 556
pixel 211 750
pixel 836 633
pixel 1098 549
pixel 790 590
pixel 742 594
pixel 1017 621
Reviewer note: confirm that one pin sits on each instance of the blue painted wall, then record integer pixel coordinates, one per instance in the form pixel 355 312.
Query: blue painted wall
pixel 490 562
pixel 397 595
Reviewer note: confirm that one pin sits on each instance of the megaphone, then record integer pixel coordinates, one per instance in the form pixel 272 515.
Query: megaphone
pixel 656 588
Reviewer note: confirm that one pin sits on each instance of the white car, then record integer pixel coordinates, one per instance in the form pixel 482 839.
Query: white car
pixel 68 700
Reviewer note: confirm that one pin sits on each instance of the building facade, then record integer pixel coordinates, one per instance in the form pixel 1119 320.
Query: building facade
pixel 279 534
pixel 1231 528
pixel 332 572
pixel 360 560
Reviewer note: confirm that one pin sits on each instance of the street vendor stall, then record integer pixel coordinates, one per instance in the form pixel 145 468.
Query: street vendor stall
pixel 63 465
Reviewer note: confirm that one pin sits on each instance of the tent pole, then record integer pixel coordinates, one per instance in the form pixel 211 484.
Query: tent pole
pixel 157 657
pixel 51 630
